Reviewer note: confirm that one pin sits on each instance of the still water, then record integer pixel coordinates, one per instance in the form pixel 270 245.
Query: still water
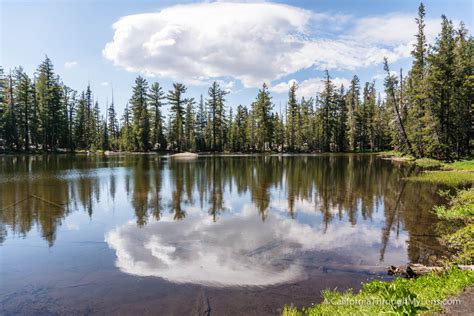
pixel 145 234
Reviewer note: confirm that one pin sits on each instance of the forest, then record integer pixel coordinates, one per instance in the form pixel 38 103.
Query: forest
pixel 426 113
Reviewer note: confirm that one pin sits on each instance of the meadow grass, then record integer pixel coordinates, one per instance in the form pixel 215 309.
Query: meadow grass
pixel 461 206
pixel 399 297
pixel 449 178
pixel 428 163
pixel 467 165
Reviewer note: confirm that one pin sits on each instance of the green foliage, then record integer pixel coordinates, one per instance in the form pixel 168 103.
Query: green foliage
pixel 450 178
pixel 217 120
pixel 155 102
pixel 460 213
pixel 399 297
pixel 428 163
pixel 397 154
pixel 461 206
pixel 261 113
pixel 140 117
pixel 177 102
pixel 467 165
pixel 461 243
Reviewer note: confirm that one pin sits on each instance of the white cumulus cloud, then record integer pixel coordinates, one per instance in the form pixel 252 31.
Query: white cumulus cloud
pixel 253 42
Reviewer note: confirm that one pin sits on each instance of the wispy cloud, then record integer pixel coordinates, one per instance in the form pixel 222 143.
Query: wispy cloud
pixel 309 87
pixel 71 64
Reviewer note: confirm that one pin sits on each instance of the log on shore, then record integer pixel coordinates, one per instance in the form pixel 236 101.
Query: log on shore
pixel 416 269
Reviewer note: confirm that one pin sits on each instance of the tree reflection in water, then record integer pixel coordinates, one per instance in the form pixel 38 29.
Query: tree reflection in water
pixel 342 188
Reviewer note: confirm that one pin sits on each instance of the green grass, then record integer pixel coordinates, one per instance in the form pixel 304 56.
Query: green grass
pixel 397 154
pixel 428 163
pixel 467 165
pixel 461 243
pixel 461 206
pixel 432 164
pixel 399 297
pixel 450 178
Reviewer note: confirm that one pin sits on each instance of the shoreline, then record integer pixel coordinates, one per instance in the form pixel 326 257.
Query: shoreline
pixel 204 153
pixel 418 295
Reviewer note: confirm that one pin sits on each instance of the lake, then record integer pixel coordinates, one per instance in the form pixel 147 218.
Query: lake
pixel 146 234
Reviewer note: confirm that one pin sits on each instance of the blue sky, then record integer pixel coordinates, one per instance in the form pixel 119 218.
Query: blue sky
pixel 240 43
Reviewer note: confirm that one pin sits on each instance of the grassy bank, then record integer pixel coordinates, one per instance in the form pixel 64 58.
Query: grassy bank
pixel 455 174
pixel 458 173
pixel 449 178
pixel 402 296
pixel 425 293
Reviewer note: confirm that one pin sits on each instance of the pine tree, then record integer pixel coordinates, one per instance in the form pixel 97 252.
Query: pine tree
pixel 10 117
pixel 353 101
pixel 190 125
pixel 261 113
pixel 112 125
pixel 328 113
pixel 155 97
pixel 201 121
pixel 440 85
pixel 105 142
pixel 140 118
pixel 278 133
pixel 48 94
pixel 215 104
pixel 342 118
pixel 23 96
pixel 69 99
pixel 96 133
pixel 239 130
pixel 463 97
pixel 391 90
pixel 126 131
pixel 89 122
pixel 80 124
pixel 304 135
pixel 292 118
pixel 419 117
pixel 176 129
pixel 3 106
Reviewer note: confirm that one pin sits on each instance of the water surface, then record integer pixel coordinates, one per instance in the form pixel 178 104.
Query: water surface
pixel 217 235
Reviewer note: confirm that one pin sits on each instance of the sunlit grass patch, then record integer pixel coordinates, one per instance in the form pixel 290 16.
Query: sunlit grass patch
pixel 401 297
pixel 459 165
pixel 428 163
pixel 451 178
pixel 461 206
pixel 462 244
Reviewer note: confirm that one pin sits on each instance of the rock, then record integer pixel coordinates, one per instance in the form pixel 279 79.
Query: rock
pixel 185 155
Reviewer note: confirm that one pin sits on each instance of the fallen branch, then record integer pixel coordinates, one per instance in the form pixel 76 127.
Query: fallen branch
pixel 46 201
pixel 11 205
pixel 416 269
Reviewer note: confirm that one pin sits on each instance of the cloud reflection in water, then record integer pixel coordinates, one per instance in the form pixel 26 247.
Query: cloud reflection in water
pixel 240 250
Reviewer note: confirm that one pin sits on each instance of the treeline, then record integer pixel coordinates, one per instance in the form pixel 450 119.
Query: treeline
pixel 427 114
